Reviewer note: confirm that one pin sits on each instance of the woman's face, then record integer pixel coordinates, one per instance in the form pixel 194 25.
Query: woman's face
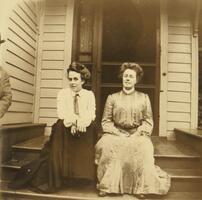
pixel 129 79
pixel 75 81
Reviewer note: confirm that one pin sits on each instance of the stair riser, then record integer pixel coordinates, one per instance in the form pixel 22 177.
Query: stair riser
pixel 8 174
pixel 178 163
pixel 25 154
pixel 186 185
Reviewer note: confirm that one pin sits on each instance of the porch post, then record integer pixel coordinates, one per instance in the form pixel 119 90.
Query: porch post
pixel 163 68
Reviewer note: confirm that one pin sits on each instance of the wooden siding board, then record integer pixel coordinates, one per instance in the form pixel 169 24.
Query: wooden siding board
pixel 179 30
pixel 179 77
pixel 56 10
pixel 53 46
pixel 48 112
pixel 54 20
pixel 53 64
pixel 51 84
pixel 15 117
pixel 185 39
pixel 22 24
pixel 19 63
pixel 53 55
pixel 54 28
pixel 179 117
pixel 51 74
pixel 18 30
pixel 176 86
pixel 26 18
pixel 21 42
pixel 21 86
pixel 54 37
pixel 20 107
pixel 179 22
pixel 179 67
pixel 178 107
pixel 48 103
pixel 20 52
pixel 22 97
pixel 48 121
pixel 56 3
pixel 179 48
pixel 179 97
pixel 30 12
pixel 172 125
pixel 179 58
pixel 48 93
pixel 20 73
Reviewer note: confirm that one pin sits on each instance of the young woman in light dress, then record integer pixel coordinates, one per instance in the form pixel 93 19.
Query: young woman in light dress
pixel 125 154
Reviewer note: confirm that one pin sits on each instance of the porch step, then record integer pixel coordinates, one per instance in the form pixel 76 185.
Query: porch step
pixel 86 193
pixel 17 133
pixel 190 137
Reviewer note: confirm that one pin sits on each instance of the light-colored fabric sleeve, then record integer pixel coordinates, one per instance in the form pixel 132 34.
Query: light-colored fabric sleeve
pixel 6 95
pixel 90 111
pixel 147 124
pixel 63 110
pixel 107 119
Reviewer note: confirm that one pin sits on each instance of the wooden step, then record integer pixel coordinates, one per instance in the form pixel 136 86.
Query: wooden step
pixel 29 149
pixel 87 193
pixel 16 133
pixel 190 137
pixel 168 154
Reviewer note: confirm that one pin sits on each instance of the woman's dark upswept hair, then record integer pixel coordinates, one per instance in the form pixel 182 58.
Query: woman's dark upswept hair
pixel 81 69
pixel 134 66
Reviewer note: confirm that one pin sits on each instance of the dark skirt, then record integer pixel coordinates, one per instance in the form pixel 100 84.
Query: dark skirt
pixel 63 156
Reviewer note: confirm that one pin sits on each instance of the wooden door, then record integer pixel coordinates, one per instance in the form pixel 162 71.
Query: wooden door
pixel 110 32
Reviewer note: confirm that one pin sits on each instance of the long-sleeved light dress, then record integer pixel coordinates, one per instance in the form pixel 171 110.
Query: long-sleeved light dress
pixel 126 160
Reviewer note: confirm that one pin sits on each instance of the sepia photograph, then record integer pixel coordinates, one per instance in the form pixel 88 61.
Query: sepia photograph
pixel 101 99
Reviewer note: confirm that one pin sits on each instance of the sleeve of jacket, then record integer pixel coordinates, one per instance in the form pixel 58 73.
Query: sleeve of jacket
pixel 6 95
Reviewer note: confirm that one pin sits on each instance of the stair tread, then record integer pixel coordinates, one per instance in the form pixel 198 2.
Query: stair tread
pixel 174 173
pixel 32 144
pixel 162 147
pixel 88 192
pixel 184 173
pixel 15 164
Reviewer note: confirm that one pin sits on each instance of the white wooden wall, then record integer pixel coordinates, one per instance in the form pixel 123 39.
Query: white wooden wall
pixel 20 60
pixel 55 55
pixel 179 76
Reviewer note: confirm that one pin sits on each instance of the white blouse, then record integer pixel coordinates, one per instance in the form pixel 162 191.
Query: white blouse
pixel 86 105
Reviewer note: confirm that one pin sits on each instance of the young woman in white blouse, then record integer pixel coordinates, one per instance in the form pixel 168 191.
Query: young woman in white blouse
pixel 69 152
pixel 72 137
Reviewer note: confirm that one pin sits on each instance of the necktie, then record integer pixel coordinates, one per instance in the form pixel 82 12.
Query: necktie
pixel 76 104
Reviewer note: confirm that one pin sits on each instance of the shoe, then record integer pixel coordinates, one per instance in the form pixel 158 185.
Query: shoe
pixel 140 196
pixel 102 194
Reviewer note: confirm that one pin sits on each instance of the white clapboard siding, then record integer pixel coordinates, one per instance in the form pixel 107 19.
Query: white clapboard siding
pixel 48 92
pixel 52 59
pixel 48 121
pixel 179 107
pixel 20 60
pixel 52 64
pixel 179 73
pixel 22 97
pixel 179 67
pixel 48 103
pixel 183 125
pixel 52 74
pixel 179 86
pixel 54 28
pixel 20 107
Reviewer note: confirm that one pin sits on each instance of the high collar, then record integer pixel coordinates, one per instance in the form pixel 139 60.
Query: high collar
pixel 128 91
pixel 80 93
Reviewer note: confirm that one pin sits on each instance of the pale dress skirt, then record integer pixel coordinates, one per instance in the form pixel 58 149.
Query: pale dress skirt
pixel 126 165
